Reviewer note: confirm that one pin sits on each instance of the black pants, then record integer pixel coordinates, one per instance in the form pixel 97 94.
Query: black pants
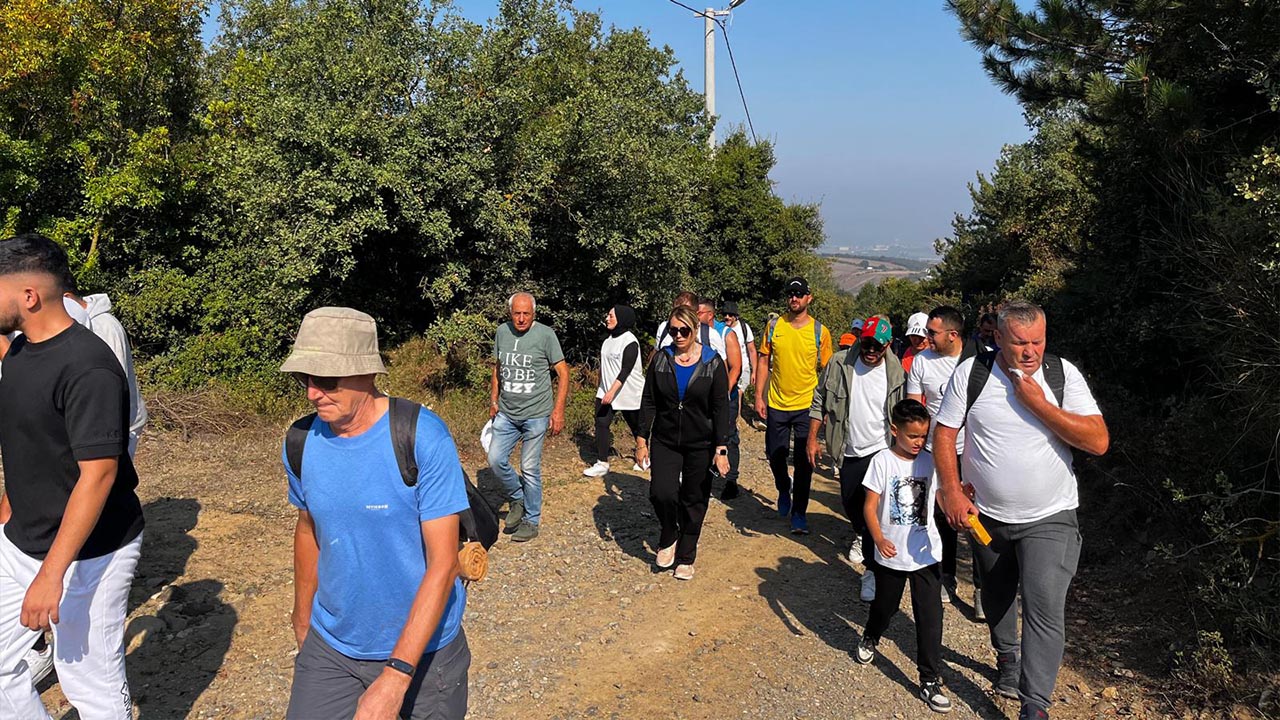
pixel 604 431
pixel 679 488
pixel 779 425
pixel 853 496
pixel 926 609
pixel 735 407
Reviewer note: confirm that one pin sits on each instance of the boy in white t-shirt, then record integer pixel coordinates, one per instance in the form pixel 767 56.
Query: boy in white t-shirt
pixel 901 491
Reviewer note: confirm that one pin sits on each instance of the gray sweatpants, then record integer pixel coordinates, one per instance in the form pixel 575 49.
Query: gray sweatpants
pixel 1043 555
pixel 328 685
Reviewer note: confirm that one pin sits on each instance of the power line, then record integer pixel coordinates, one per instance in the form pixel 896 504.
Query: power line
pixel 741 94
pixel 732 63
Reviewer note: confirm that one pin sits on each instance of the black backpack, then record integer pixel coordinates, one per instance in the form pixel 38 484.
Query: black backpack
pixel 479 523
pixel 1054 374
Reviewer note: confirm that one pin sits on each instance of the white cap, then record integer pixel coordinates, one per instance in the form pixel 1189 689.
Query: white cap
pixel 916 323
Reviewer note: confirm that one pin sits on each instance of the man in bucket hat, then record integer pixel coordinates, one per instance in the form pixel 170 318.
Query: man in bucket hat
pixel 378 604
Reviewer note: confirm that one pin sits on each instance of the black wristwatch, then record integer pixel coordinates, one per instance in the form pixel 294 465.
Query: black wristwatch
pixel 401 666
pixel 723 452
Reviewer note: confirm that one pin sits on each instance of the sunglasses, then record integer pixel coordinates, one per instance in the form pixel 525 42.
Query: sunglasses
pixel 935 333
pixel 871 346
pixel 796 293
pixel 323 384
pixel 675 331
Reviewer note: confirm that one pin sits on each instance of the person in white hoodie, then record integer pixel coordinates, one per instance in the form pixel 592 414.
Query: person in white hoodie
pixel 94 312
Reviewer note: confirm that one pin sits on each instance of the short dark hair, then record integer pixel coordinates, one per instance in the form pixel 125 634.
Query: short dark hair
pixel 989 317
pixel 704 300
pixel 950 317
pixel 33 253
pixel 909 411
pixel 685 298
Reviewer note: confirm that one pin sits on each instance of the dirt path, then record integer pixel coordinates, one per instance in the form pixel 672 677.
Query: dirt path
pixel 577 624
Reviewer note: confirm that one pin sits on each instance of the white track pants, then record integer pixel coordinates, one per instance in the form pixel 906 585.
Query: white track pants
pixel 88 640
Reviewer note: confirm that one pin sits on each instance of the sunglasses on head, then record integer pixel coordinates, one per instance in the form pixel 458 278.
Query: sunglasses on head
pixel 675 331
pixel 323 384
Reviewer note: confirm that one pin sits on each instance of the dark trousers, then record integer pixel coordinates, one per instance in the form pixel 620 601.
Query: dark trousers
pixel 328 684
pixel 853 496
pixel 735 406
pixel 680 484
pixel 1041 556
pixel 781 426
pixel 926 610
pixel 604 427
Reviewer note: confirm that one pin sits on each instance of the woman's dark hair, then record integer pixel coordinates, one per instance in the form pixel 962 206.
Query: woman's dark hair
pixel 908 411
pixel 33 253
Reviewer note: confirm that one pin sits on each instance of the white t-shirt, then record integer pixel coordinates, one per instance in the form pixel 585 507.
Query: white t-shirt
pixel 930 376
pixel 868 428
pixel 908 489
pixel 717 342
pixel 1019 468
pixel 744 337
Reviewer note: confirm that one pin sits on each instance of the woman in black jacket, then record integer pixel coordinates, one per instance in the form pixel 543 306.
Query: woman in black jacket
pixel 684 419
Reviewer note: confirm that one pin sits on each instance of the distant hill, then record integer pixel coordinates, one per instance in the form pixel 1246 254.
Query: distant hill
pixel 852 272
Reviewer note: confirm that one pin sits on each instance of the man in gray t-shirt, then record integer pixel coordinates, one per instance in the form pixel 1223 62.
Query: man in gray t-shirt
pixel 523 409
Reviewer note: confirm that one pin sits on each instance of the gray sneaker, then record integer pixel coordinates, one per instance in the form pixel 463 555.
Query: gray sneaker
pixel 515 514
pixel 931 692
pixel 525 533
pixel 1008 673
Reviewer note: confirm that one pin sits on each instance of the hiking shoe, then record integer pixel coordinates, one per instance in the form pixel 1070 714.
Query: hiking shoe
pixel 39 662
pixel 799 525
pixel 855 551
pixel 525 533
pixel 667 556
pixel 1008 672
pixel 868 586
pixel 600 469
pixel 684 572
pixel 948 590
pixel 1031 712
pixel 515 514
pixel 730 491
pixel 979 615
pixel 931 693
pixel 784 504
pixel 865 652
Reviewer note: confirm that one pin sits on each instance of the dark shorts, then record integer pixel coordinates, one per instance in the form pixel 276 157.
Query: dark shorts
pixel 328 684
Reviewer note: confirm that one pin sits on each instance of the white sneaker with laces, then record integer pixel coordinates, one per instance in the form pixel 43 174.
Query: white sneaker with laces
pixel 39 663
pixel 600 469
pixel 868 587
pixel 855 551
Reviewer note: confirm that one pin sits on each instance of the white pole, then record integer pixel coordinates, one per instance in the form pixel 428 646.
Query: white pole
pixel 709 71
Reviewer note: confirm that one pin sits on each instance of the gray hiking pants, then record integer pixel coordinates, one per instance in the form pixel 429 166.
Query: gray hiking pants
pixel 328 684
pixel 1042 555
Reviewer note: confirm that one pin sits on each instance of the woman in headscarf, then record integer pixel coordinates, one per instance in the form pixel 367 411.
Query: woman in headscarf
pixel 684 423
pixel 621 382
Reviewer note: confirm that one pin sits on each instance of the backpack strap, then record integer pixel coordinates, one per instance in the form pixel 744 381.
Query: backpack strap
pixel 704 334
pixel 1056 375
pixel 817 345
pixel 978 377
pixel 295 440
pixel 404 435
pixel 968 350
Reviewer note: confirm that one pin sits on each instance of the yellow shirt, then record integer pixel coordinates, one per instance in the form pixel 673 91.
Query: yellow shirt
pixel 794 364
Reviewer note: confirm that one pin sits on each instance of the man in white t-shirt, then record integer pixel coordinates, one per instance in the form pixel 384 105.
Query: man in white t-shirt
pixel 927 381
pixel 1022 422
pixel 734 325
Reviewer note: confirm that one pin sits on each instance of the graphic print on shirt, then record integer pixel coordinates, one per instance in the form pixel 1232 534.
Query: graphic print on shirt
pixel 907 501
pixel 516 370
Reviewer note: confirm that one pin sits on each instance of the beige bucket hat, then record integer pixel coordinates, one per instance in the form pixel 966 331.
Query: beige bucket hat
pixel 335 342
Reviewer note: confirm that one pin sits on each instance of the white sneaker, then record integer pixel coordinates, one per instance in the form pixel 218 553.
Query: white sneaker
pixel 39 663
pixel 667 556
pixel 868 587
pixel 855 550
pixel 600 469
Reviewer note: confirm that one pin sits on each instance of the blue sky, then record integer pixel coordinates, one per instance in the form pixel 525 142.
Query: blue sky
pixel 878 110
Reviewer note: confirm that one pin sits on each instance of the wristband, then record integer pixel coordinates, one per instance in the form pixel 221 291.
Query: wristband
pixel 401 666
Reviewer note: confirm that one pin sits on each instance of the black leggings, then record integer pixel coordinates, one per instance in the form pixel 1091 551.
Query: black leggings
pixel 604 421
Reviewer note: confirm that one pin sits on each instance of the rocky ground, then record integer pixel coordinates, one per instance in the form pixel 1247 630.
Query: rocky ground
pixel 579 623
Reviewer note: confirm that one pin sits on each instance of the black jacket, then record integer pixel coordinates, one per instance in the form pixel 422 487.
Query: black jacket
pixel 701 420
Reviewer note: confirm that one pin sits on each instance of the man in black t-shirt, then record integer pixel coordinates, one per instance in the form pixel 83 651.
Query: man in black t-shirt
pixel 72 524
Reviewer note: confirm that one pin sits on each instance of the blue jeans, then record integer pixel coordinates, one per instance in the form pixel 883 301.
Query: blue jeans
pixel 525 485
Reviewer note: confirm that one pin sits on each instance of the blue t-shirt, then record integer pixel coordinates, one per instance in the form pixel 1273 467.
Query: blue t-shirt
pixel 684 374
pixel 368 527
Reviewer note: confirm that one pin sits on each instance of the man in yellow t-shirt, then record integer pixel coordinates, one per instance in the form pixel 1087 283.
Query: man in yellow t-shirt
pixel 793 351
